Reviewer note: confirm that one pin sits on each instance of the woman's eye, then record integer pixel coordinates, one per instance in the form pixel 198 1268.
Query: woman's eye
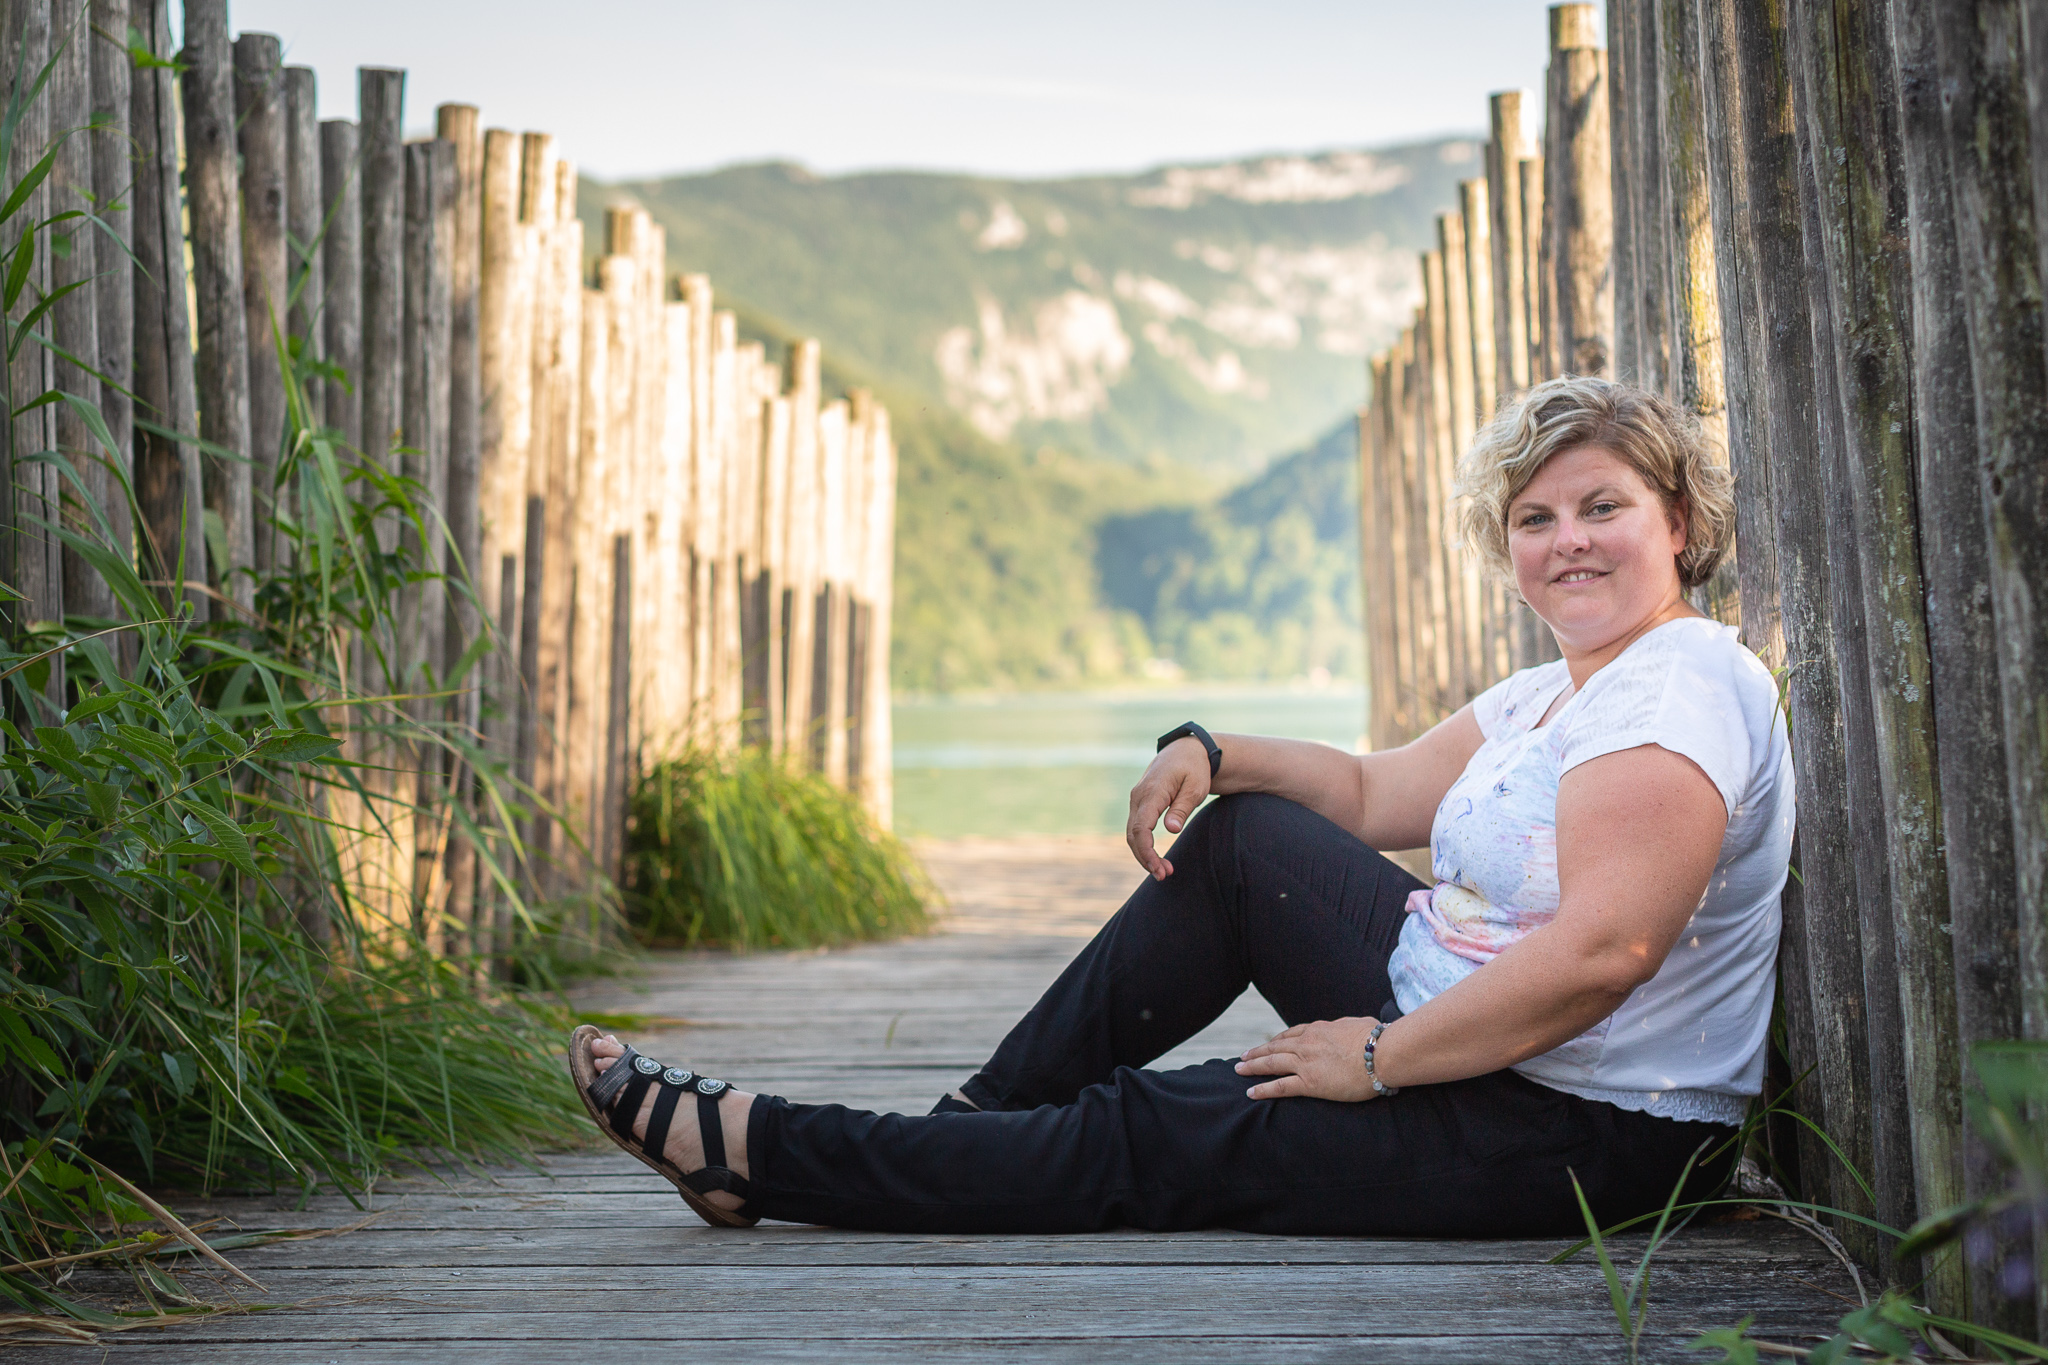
pixel 1532 519
pixel 1601 509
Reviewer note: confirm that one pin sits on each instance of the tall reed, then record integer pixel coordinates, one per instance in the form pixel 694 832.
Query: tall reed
pixel 740 851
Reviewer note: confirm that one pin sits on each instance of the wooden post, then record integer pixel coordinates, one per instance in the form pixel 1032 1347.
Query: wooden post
pixel 1580 195
pixel 266 277
pixel 771 512
pixel 2012 487
pixel 305 214
pixel 799 610
pixel 74 320
pixel 1740 327
pixel 859 427
pixel 1695 307
pixel 31 561
pixel 828 676
pixel 1644 254
pixel 618 276
pixel 341 266
pixel 380 112
pixel 590 612
pixel 1443 600
pixel 1400 428
pixel 1537 276
pixel 429 246
pixel 754 382
pixel 504 395
pixel 1969 302
pixel 168 483
pixel 1512 143
pixel 212 182
pixel 115 176
pixel 539 595
pixel 1374 538
pixel 1851 118
pixel 668 572
pixel 463 560
pixel 1625 155
pixel 714 548
pixel 1825 1001
pixel 1475 209
pixel 1462 581
pixel 878 782
pixel 692 569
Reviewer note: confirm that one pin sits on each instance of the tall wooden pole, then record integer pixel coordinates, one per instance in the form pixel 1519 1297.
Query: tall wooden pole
pixel 305 214
pixel 799 611
pixel 341 267
pixel 260 127
pixel 763 701
pixel 115 175
pixel 1580 196
pixel 1512 141
pixel 74 321
pixel 380 108
pixel 1972 302
pixel 590 637
pixel 168 483
pixel 1400 548
pixel 1851 115
pixel 1538 277
pixel 462 562
pixel 1828 995
pixel 213 184
pixel 2012 486
pixel 1625 160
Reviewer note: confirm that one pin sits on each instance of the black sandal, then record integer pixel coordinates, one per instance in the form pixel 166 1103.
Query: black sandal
pixel 614 1096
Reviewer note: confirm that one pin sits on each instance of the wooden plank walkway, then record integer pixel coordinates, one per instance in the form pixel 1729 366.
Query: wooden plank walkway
pixel 597 1259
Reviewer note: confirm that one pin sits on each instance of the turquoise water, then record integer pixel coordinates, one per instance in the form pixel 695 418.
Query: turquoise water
pixel 1064 762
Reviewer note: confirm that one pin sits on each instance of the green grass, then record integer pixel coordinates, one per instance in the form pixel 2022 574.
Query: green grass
pixel 740 852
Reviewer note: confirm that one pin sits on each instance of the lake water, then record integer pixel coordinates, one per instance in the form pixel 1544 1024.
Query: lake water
pixel 1064 762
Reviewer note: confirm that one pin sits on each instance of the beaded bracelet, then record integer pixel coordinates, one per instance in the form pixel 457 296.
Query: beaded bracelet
pixel 1372 1041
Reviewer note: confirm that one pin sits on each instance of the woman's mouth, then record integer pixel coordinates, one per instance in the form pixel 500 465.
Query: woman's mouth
pixel 1578 576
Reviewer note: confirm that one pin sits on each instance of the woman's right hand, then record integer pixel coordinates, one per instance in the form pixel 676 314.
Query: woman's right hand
pixel 1174 785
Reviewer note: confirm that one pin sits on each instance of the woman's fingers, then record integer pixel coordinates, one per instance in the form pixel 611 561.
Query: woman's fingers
pixel 1279 1090
pixel 1270 1063
pixel 1146 804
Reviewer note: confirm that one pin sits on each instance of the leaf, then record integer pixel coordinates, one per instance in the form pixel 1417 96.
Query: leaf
pixel 97 705
pixel 226 833
pixel 295 746
pixel 25 187
pixel 55 740
pixel 17 273
pixel 1732 1342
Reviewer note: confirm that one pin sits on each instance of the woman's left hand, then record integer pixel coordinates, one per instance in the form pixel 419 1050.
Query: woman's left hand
pixel 1324 1060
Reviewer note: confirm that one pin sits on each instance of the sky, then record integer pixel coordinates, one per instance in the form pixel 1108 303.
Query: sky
pixel 637 88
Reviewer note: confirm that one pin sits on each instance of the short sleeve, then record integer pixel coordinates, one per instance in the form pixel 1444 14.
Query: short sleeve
pixel 1695 691
pixel 1506 704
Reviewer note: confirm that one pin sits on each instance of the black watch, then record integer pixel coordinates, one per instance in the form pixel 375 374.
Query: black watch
pixel 1194 731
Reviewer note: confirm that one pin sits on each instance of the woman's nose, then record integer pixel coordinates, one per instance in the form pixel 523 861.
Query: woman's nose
pixel 1571 536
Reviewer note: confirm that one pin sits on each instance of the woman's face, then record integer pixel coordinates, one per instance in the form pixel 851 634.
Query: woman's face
pixel 1595 550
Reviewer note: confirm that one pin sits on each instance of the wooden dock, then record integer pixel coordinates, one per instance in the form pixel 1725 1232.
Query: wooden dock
pixel 597 1259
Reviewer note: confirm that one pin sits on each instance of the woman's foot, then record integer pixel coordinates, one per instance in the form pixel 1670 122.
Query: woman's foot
pixel 684 1148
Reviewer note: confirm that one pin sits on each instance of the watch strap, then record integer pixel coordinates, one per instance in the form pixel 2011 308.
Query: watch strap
pixel 1190 730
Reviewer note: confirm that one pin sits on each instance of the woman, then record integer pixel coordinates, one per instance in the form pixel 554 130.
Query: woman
pixel 1585 990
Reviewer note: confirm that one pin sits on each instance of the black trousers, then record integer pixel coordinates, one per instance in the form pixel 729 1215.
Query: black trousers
pixel 1075 1136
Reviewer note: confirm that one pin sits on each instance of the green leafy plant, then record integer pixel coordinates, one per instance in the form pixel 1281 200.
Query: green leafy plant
pixel 740 851
pixel 192 987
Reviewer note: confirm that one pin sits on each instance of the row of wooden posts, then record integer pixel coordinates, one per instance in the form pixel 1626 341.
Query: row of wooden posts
pixel 1821 227
pixel 674 541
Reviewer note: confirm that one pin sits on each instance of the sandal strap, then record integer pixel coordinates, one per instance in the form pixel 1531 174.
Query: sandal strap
pixel 708 1124
pixel 656 1140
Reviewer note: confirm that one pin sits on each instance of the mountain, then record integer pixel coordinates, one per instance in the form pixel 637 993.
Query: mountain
pixel 1200 316
pixel 1089 379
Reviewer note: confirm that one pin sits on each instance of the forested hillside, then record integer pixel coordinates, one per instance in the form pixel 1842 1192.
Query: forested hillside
pixel 1089 378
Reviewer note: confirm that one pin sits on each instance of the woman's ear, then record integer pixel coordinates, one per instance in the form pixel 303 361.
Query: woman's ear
pixel 1678 516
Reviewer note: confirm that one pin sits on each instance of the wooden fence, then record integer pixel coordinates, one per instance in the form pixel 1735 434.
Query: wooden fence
pixel 668 540
pixel 1815 225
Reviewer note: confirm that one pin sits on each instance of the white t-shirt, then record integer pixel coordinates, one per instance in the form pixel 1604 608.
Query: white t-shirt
pixel 1689 1043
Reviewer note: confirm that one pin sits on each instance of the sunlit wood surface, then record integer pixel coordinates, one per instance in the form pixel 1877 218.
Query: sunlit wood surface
pixel 597 1260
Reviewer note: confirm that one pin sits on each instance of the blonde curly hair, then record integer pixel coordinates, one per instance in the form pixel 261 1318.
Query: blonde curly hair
pixel 1661 442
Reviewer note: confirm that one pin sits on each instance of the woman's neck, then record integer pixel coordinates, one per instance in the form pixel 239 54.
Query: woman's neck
pixel 1583 664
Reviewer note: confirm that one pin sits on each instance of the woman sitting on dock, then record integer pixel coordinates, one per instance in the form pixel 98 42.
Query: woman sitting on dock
pixel 1585 990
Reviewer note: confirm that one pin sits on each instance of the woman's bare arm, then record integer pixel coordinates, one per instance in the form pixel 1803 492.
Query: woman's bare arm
pixel 1638 834
pixel 1387 799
